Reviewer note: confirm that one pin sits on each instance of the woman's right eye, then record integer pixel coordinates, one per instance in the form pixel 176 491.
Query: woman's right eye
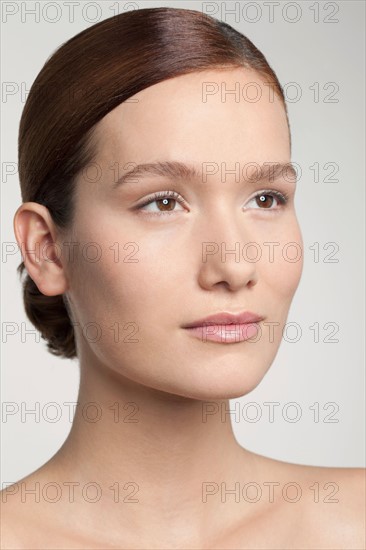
pixel 165 202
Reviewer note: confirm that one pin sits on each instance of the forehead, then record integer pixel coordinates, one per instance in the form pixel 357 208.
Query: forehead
pixel 228 115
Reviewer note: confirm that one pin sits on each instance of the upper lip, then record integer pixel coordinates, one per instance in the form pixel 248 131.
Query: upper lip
pixel 226 318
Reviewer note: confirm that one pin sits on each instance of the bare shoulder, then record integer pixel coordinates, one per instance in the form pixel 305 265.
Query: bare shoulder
pixel 33 517
pixel 25 514
pixel 341 498
pixel 329 503
pixel 20 512
pixel 345 487
pixel 16 518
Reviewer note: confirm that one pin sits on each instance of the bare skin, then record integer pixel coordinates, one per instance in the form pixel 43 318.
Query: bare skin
pixel 174 460
pixel 280 518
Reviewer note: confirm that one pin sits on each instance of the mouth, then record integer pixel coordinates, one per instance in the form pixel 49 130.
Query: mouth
pixel 225 328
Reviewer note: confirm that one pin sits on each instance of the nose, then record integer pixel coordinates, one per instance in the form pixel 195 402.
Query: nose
pixel 226 257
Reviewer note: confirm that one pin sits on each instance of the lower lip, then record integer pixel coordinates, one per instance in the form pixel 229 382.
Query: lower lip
pixel 225 334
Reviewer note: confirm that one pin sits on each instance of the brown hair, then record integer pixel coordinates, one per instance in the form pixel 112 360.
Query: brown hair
pixel 80 83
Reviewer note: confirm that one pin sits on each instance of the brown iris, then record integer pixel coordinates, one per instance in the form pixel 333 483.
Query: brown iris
pixel 165 203
pixel 264 201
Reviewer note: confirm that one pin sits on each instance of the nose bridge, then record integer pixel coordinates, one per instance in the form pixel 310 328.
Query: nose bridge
pixel 224 228
pixel 224 242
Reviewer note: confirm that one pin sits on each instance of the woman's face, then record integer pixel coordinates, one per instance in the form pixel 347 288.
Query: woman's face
pixel 152 269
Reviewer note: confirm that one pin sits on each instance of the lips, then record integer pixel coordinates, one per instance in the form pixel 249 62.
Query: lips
pixel 224 318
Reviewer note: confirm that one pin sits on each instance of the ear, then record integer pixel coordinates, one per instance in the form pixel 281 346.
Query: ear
pixel 35 233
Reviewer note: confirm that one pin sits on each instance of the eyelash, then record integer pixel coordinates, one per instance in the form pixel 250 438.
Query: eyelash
pixel 281 197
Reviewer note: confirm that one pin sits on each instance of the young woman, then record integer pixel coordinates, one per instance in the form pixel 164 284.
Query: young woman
pixel 150 195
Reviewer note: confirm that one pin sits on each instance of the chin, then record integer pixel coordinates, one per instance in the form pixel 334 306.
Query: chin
pixel 212 384
pixel 208 373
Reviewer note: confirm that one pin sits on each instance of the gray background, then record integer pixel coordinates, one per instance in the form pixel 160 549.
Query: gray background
pixel 323 51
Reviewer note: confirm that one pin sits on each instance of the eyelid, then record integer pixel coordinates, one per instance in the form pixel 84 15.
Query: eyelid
pixel 282 197
pixel 161 195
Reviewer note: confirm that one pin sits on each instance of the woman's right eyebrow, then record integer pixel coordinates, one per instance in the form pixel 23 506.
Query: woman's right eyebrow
pixel 171 169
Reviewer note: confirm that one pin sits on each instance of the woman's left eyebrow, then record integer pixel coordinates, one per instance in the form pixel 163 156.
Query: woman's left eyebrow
pixel 252 172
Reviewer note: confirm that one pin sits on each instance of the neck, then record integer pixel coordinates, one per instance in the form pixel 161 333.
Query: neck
pixel 173 451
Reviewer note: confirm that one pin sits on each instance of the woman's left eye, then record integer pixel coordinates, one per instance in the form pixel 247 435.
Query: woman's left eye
pixel 266 199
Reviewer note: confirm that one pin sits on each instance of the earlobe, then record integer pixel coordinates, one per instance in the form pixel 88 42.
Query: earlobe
pixel 35 233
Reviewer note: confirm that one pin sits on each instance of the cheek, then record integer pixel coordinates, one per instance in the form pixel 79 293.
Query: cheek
pixel 134 281
pixel 283 260
pixel 137 307
pixel 284 273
